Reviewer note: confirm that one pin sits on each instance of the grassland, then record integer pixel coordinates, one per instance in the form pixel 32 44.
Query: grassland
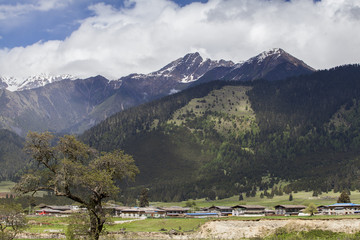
pixel 303 198
pixel 232 108
pixel 5 186
pixel 160 225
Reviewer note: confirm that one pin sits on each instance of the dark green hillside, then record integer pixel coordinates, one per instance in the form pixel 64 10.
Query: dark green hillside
pixel 311 127
pixel 12 157
pixel 231 137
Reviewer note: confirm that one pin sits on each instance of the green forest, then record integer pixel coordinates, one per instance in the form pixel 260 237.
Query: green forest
pixel 12 158
pixel 225 138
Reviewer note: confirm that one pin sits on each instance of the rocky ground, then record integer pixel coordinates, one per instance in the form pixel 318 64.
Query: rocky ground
pixel 262 228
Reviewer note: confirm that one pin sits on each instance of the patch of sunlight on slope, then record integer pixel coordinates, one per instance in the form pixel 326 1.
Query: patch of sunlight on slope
pixel 227 110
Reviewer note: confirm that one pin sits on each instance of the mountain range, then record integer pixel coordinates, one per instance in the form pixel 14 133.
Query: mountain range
pixel 69 105
pixel 231 137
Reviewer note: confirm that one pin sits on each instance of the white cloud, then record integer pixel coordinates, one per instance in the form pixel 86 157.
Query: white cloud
pixel 150 33
pixel 14 10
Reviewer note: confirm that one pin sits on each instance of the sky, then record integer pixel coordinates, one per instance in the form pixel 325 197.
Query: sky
pixel 114 38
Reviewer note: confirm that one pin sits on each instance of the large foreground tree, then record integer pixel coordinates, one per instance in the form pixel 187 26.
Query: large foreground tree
pixel 72 169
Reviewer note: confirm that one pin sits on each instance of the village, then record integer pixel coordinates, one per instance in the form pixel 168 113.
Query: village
pixel 213 211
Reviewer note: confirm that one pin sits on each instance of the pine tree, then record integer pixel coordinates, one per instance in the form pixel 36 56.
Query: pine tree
pixel 290 197
pixel 253 192
pixel 144 198
pixel 241 198
pixel 344 197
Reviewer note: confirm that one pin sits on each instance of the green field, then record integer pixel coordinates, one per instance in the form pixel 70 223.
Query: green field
pixel 303 198
pixel 5 186
pixel 160 225
pixel 48 224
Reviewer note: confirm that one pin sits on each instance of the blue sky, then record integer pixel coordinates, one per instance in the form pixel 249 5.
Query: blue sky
pixel 118 37
pixel 27 27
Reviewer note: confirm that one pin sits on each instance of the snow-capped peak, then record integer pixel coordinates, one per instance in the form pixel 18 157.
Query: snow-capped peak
pixel 31 82
pixel 189 68
pixel 273 53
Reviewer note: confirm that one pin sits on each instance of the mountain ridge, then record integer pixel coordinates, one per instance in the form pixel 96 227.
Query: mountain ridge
pixel 185 70
pixel 40 105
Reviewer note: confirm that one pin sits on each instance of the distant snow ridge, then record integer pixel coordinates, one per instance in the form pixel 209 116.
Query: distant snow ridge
pixel 13 84
pixel 274 53
pixel 190 68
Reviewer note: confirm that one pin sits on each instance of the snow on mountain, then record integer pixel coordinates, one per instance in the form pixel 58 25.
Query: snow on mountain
pixel 183 71
pixel 13 84
pixel 273 53
pixel 174 77
pixel 189 68
pixel 271 65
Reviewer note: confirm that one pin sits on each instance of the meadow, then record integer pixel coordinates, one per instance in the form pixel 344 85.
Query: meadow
pixel 5 186
pixel 299 198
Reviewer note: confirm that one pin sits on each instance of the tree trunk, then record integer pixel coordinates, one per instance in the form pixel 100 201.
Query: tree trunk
pixel 97 220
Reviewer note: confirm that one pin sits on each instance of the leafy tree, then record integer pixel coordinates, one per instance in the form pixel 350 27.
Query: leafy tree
pixel 76 171
pixel 344 198
pixel 144 198
pixel 190 204
pixel 211 195
pixel 311 209
pixel 12 221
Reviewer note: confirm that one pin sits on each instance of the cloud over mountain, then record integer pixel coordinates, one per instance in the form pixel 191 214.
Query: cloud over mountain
pixel 143 35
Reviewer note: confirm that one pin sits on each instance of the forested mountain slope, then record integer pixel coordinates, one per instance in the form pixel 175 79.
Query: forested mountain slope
pixel 231 137
pixel 12 158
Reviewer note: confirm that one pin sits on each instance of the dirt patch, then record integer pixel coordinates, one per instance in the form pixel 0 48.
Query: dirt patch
pixel 262 228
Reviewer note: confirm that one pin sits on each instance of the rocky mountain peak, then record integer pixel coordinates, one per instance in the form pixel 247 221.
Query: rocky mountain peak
pixel 14 84
pixel 191 67
pixel 276 56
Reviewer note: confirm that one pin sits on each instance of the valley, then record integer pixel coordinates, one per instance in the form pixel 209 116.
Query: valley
pixel 215 139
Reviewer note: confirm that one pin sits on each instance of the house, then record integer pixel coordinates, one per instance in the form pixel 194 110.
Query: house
pixel 221 210
pixel 249 210
pixel 175 211
pixel 142 212
pixel 56 210
pixel 114 210
pixel 339 209
pixel 7 195
pixel 288 210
